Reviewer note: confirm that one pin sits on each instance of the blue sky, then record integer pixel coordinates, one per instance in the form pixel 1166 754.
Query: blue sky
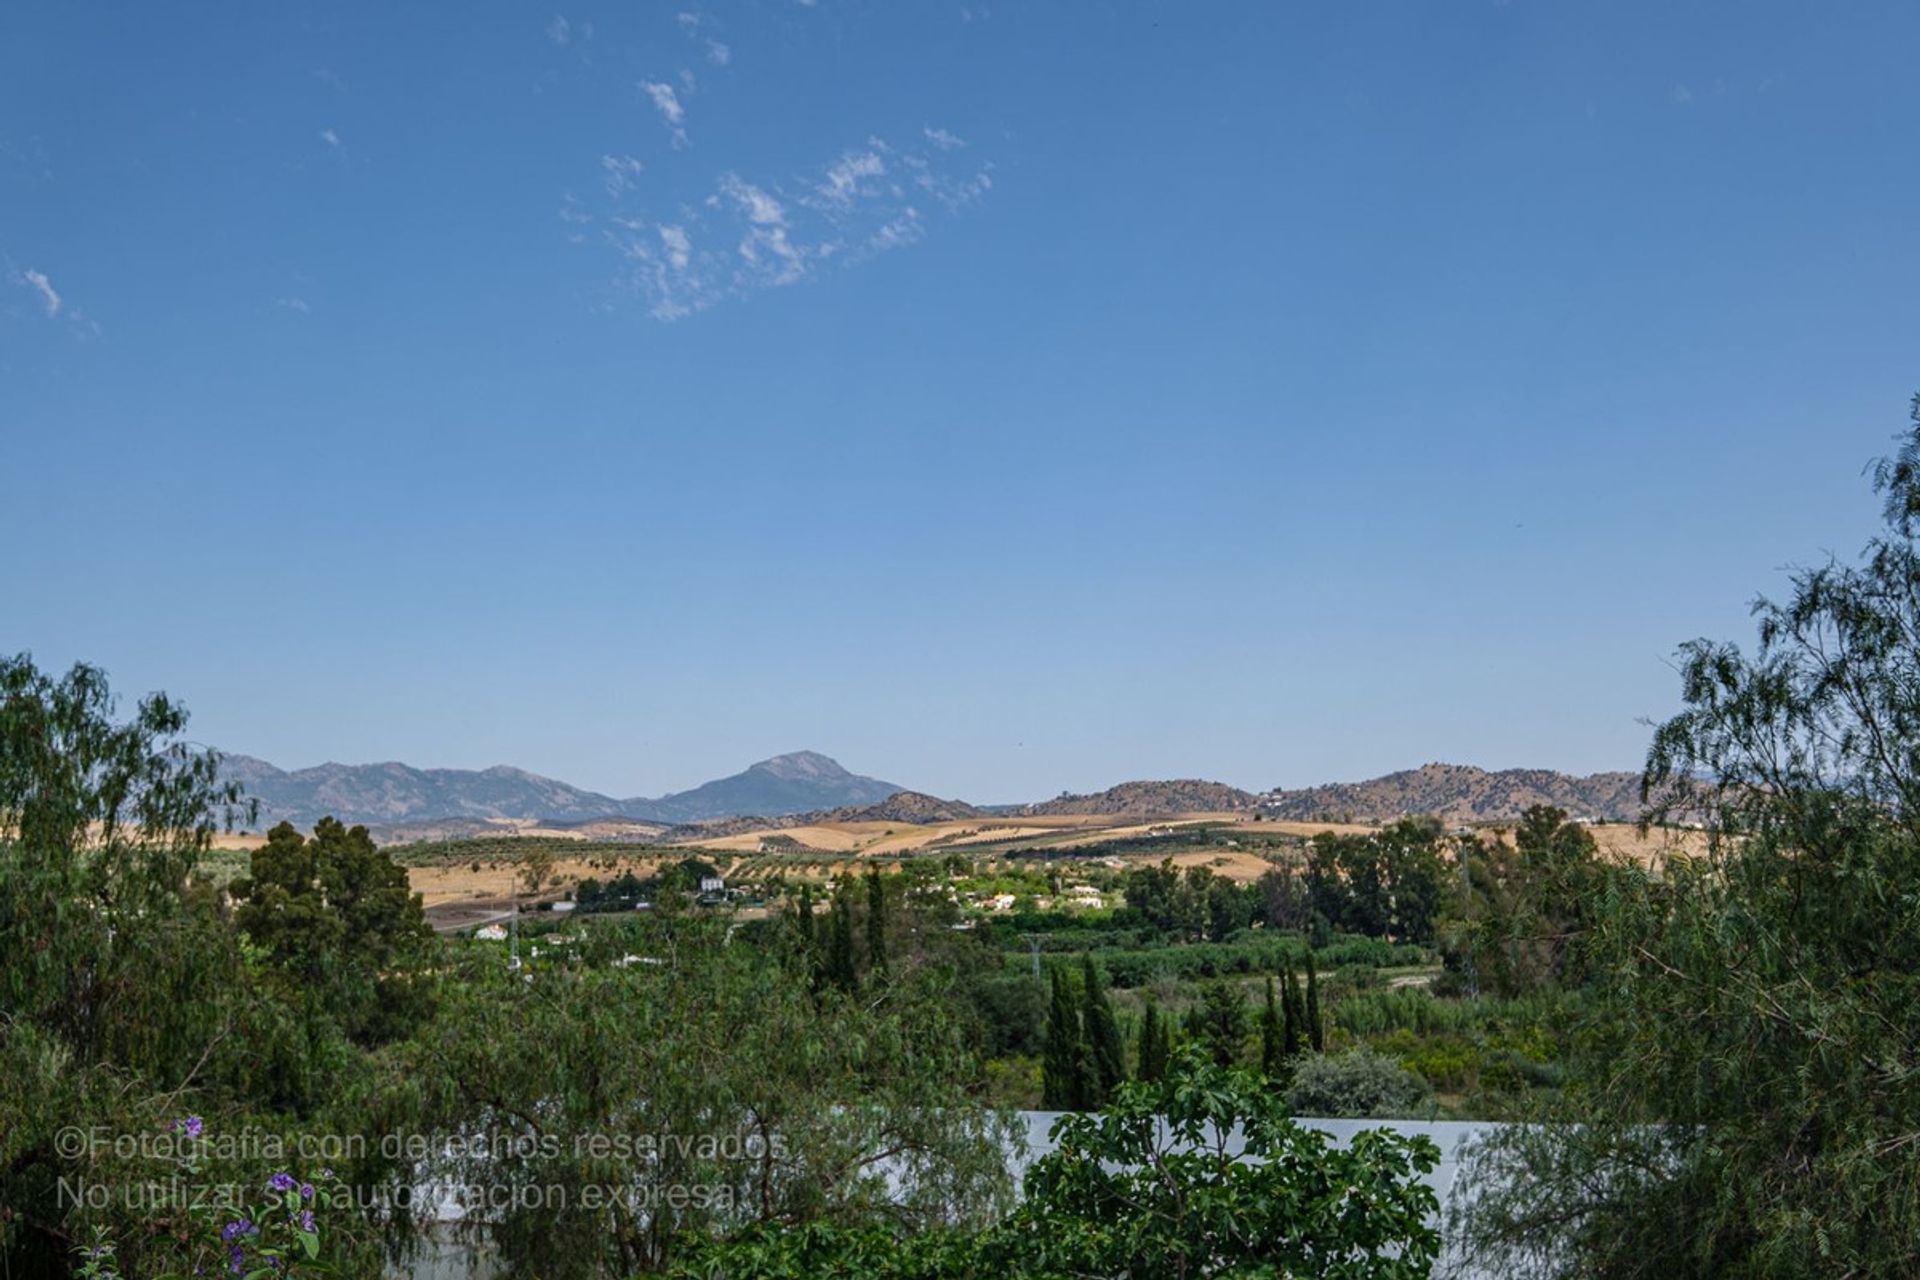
pixel 1001 398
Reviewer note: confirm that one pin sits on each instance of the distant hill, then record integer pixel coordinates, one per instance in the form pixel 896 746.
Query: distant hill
pixel 394 795
pixel 796 783
pixel 1149 799
pixel 909 808
pixel 1461 793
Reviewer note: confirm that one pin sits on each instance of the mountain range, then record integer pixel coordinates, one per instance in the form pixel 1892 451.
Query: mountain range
pixel 394 794
pixel 1460 793
pixel 805 785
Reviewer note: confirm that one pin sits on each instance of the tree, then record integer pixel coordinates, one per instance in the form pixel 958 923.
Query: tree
pixel 1293 1019
pixel 876 923
pixel 1105 1052
pixel 1227 908
pixel 338 919
pixel 1747 1077
pixel 1065 1069
pixel 1284 902
pixel 1150 1187
pixel 124 989
pixel 1219 1021
pixel 841 968
pixel 1316 1026
pixel 536 867
pixel 1153 1044
pixel 1273 1037
pixel 758 1103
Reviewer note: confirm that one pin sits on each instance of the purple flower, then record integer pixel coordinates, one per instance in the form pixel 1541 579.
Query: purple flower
pixel 306 1220
pixel 193 1126
pixel 306 1191
pixel 237 1260
pixel 281 1182
pixel 239 1227
pixel 326 1173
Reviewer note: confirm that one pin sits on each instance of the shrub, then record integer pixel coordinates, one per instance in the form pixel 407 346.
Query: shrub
pixel 1360 1084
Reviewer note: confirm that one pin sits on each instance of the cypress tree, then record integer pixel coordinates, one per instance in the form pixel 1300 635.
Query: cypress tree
pixel 1316 1033
pixel 1106 1054
pixel 809 942
pixel 840 965
pixel 1272 1045
pixel 876 923
pixel 1063 1067
pixel 1293 1033
pixel 1153 1045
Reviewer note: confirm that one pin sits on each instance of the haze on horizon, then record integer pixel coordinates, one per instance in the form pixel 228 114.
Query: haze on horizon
pixel 1271 394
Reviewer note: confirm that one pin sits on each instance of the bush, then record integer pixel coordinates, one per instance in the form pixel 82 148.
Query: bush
pixel 1357 1084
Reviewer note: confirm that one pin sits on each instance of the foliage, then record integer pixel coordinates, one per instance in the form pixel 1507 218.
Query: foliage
pixel 1219 1022
pixel 1066 1072
pixel 338 921
pixel 1747 1081
pixel 1384 884
pixel 1155 1045
pixel 1517 922
pixel 1192 906
pixel 1106 1055
pixel 1359 1083
pixel 1150 1187
pixel 754 1099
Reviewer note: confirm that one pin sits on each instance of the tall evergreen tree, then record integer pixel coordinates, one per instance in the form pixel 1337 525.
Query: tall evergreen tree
pixel 876 923
pixel 1272 1037
pixel 1064 1074
pixel 1316 1029
pixel 1293 1036
pixel 1153 1045
pixel 841 970
pixel 1105 1052
pixel 804 926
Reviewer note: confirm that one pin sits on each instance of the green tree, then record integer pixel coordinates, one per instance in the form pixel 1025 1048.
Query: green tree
pixel 1066 1069
pixel 1316 1027
pixel 756 1101
pixel 337 918
pixel 1273 1038
pixel 841 968
pixel 1153 1044
pixel 1105 1051
pixel 1148 1188
pixel 1293 1019
pixel 876 923
pixel 124 991
pixel 1746 1075
pixel 1219 1021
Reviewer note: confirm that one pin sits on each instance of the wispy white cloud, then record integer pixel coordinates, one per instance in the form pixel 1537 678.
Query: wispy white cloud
pixel 331 138
pixel 748 235
pixel 620 174
pixel 678 246
pixel 851 176
pixel 1682 96
pixel 942 139
pixel 665 100
pixel 38 282
pixel 560 31
pixel 718 54
pixel 293 304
